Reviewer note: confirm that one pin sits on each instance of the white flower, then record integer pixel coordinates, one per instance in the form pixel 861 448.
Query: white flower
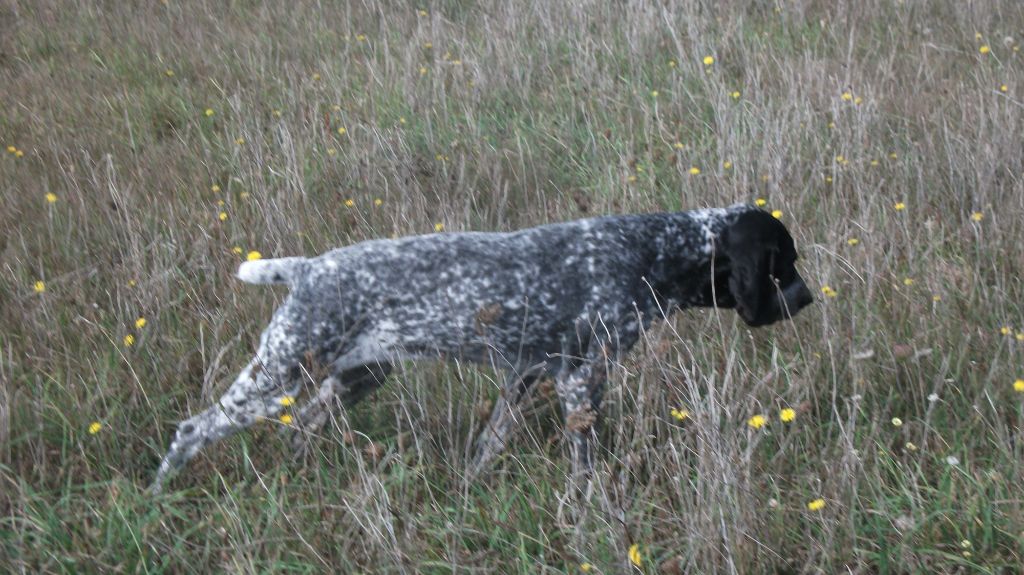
pixel 952 460
pixel 933 397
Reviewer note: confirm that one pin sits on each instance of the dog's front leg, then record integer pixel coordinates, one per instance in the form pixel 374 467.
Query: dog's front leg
pixel 586 355
pixel 579 391
pixel 505 417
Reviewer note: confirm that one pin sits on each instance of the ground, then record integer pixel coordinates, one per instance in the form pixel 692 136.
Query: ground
pixel 150 147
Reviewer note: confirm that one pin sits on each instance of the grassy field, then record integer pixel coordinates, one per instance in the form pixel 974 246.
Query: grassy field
pixel 152 145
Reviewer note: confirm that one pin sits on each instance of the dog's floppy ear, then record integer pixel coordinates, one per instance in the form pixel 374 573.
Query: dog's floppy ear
pixel 749 245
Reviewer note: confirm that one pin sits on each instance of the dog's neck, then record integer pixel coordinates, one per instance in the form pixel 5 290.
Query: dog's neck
pixel 685 249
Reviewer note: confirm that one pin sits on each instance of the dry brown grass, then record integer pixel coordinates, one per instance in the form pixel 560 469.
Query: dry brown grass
pixel 518 113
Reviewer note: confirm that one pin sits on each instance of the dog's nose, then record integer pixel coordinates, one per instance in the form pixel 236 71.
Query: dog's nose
pixel 797 297
pixel 804 298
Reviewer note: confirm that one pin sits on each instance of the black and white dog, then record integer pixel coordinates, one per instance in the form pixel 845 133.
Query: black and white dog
pixel 559 300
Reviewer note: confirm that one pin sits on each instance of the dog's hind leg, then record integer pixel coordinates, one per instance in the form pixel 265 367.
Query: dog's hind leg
pixel 262 390
pixel 347 389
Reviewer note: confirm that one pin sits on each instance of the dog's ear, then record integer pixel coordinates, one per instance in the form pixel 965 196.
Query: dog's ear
pixel 749 244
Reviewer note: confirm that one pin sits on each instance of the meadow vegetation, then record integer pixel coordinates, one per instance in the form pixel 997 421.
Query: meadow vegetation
pixel 149 147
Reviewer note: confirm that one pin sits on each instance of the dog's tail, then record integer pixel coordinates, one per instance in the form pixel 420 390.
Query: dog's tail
pixel 276 271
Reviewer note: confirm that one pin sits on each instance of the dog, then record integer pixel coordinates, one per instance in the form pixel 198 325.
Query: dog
pixel 559 301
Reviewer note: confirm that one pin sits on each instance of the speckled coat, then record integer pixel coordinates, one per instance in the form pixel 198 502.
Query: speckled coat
pixel 556 300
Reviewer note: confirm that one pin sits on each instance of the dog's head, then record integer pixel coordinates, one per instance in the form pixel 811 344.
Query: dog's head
pixel 762 279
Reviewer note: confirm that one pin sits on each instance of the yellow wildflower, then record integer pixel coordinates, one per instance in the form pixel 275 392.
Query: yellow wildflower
pixel 286 419
pixel 777 214
pixel 816 505
pixel 236 250
pixel 977 216
pixel 735 94
pixel 757 422
pixel 423 70
pixel 316 77
pixel 760 202
pixel 331 151
pixel 438 227
pixel 828 291
pixel 788 414
pixel 1005 330
pixel 209 112
pixel 11 149
pixel 169 73
pixel 847 96
pixel 215 188
pixel 222 216
pixel 654 93
pixel 910 446
pixel 900 206
pixel 95 427
pixel 276 113
pixel 39 286
pixel 727 165
pixel 874 163
pixel 852 241
pixel 240 140
pixel 984 49
pixel 936 298
pixel 378 202
pixel 858 101
pixel 349 203
pixel 586 567
pixel 1020 336
pixel 679 414
pixel 678 145
pixel 897 422
pixel 129 340
pixel 694 171
pixel 140 323
pixel 1018 385
pixel 671 63
pixel 709 60
pixel 634 555
pixel 18 153
pixel 893 156
pixel 908 281
pixel 51 197
pixel 1004 88
pixel 253 256
pixel 342 131
pixel 287 400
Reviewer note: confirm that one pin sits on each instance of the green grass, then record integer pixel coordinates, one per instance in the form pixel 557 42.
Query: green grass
pixel 518 113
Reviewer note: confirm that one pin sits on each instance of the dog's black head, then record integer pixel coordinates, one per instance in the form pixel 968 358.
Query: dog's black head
pixel 761 261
